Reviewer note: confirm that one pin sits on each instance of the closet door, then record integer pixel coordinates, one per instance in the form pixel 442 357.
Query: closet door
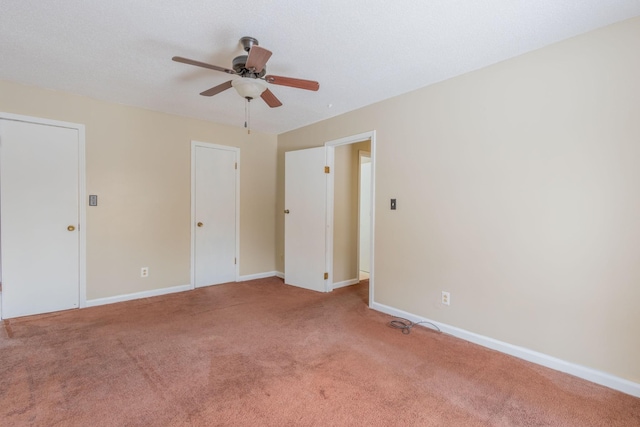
pixel 39 217
pixel 215 214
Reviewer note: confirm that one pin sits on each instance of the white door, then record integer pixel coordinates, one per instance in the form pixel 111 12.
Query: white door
pixel 214 214
pixel 305 219
pixel 39 176
pixel 365 213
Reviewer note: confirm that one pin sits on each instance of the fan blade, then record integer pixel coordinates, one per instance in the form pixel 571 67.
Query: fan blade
pixel 216 89
pixel 258 57
pixel 202 64
pixel 270 99
pixel 297 83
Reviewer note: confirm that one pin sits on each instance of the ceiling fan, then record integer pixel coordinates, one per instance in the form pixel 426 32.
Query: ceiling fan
pixel 251 69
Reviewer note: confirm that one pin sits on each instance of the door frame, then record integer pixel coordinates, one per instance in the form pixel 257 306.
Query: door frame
pixel 195 144
pixel 82 194
pixel 330 153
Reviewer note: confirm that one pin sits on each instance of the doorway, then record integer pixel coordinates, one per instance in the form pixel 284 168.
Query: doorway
pixel 346 214
pixel 321 217
pixel 42 215
pixel 356 143
pixel 214 214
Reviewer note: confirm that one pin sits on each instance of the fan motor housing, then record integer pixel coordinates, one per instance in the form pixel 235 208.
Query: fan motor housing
pixel 239 66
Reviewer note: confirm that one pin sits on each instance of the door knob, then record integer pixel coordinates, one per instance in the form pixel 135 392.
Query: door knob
pixel 199 224
pixel 286 211
pixel 71 228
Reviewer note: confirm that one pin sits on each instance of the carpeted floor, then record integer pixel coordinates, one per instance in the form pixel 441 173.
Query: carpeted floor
pixel 262 353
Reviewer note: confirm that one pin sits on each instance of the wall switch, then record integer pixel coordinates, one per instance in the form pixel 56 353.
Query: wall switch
pixel 393 204
pixel 144 272
pixel 446 298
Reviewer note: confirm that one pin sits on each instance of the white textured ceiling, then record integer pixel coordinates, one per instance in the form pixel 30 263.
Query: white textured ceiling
pixel 361 51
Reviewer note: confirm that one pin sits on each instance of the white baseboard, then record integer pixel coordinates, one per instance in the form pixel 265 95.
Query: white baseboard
pixel 346 283
pixel 580 371
pixel 280 274
pixel 138 295
pixel 165 291
pixel 257 276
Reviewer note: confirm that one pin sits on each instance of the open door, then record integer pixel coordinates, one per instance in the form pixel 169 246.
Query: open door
pixel 305 219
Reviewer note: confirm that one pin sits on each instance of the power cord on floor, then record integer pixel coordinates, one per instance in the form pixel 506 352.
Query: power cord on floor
pixel 405 325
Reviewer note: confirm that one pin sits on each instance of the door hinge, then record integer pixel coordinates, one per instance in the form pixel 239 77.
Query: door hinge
pixel 235 261
pixel 236 165
pixel 327 169
pixel 326 276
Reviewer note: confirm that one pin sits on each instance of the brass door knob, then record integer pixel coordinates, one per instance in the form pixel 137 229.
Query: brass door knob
pixel 71 228
pixel 286 211
pixel 199 224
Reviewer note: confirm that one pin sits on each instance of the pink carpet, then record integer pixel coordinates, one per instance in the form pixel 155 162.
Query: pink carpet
pixel 262 353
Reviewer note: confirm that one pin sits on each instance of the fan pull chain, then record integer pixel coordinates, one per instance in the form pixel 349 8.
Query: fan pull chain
pixel 247 115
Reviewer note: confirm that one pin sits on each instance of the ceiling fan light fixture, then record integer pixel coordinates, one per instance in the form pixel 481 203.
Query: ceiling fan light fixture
pixel 248 87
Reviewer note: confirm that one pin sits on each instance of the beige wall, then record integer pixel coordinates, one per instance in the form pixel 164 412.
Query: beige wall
pixel 138 163
pixel 345 219
pixel 518 191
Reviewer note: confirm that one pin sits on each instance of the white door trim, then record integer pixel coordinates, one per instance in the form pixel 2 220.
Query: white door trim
pixel 195 144
pixel 331 145
pixel 82 194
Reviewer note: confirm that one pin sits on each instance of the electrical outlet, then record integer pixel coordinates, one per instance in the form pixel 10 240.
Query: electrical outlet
pixel 446 298
pixel 144 272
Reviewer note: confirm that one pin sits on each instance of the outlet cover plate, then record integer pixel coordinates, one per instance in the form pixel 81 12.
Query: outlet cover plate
pixel 446 298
